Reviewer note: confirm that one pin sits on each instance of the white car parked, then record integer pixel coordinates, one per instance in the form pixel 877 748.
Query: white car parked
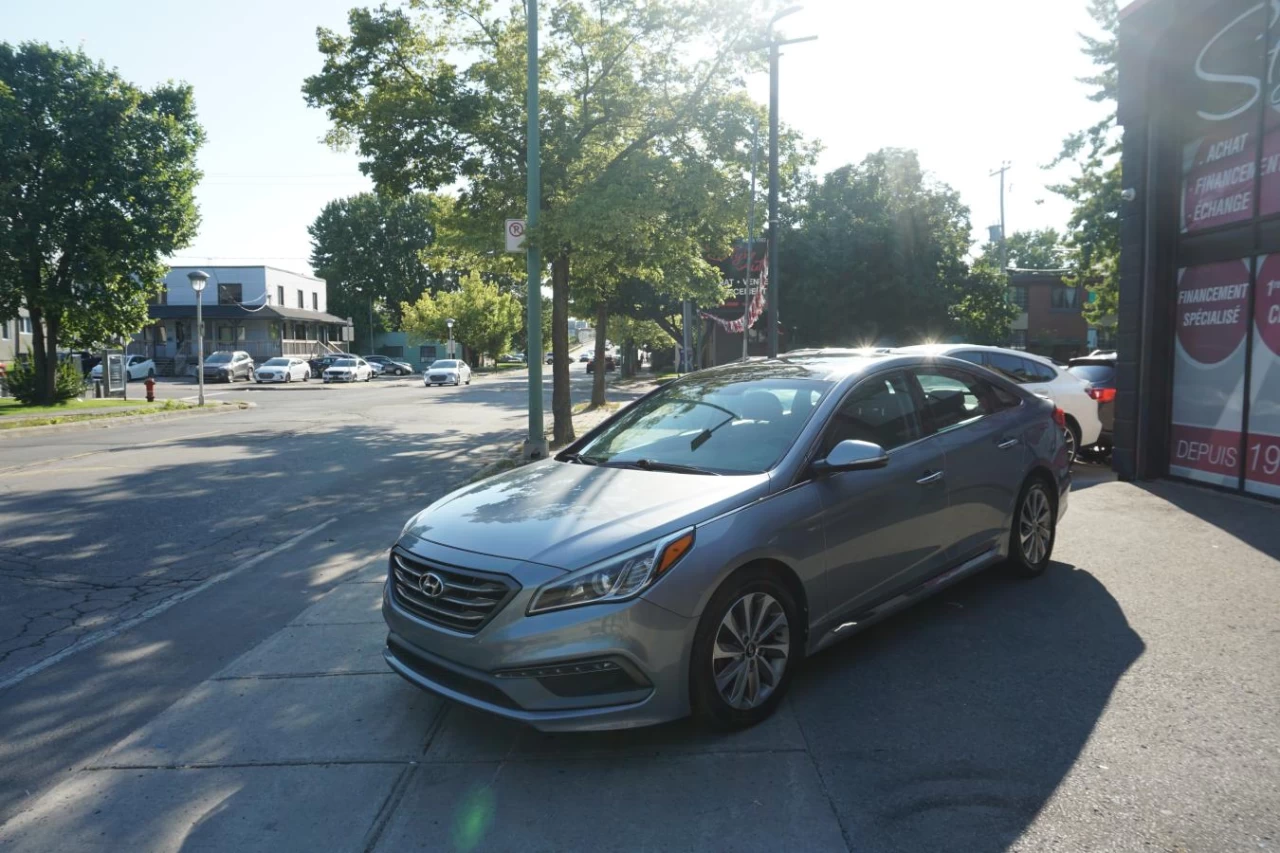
pixel 447 371
pixel 135 367
pixel 1040 376
pixel 282 369
pixel 348 370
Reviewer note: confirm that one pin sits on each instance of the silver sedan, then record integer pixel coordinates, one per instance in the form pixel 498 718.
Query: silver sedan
pixel 689 553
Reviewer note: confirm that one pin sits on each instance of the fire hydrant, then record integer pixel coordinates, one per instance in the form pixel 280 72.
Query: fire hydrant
pixel 151 389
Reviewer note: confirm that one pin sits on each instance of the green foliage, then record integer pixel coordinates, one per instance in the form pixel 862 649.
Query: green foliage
pixel 1094 237
pixel 876 254
pixel 25 385
pixel 373 247
pixel 97 189
pixel 982 312
pixel 485 318
pixel 1029 250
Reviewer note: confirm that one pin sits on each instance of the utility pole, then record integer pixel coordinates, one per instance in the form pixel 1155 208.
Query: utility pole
pixel 751 239
pixel 1004 252
pixel 535 446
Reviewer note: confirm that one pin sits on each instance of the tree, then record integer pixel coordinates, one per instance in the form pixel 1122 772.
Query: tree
pixel 371 250
pixel 97 188
pixel 485 318
pixel 1029 250
pixel 1094 236
pixel 982 312
pixel 875 255
pixel 626 89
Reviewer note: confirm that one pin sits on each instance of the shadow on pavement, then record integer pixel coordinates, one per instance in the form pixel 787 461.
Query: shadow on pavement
pixel 1253 521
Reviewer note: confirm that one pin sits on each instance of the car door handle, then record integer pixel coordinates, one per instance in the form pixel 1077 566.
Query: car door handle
pixel 930 477
pixel 1007 443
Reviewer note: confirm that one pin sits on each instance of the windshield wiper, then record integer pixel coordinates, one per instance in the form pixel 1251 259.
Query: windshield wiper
pixel 653 465
pixel 581 459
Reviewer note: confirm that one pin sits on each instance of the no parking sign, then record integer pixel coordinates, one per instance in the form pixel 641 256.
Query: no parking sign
pixel 514 231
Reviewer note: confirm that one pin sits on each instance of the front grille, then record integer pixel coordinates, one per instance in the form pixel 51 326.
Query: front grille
pixel 438 377
pixel 467 602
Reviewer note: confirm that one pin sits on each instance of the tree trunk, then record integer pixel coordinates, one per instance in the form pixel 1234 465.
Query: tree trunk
pixel 628 358
pixel 602 333
pixel 561 403
pixel 44 353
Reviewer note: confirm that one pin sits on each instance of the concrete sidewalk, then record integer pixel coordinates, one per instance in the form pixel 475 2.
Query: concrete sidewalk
pixel 1074 712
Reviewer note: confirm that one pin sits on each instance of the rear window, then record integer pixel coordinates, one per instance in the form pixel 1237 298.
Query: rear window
pixel 1093 372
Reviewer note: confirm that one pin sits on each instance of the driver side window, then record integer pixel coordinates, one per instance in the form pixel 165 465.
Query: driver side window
pixel 880 410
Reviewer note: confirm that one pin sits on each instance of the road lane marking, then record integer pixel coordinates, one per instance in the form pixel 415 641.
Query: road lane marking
pixel 98 637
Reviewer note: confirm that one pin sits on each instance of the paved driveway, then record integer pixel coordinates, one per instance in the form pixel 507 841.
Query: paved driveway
pixel 1124 701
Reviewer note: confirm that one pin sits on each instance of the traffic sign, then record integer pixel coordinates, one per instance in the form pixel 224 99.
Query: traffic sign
pixel 515 235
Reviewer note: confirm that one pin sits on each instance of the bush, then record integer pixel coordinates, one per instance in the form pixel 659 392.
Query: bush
pixel 24 383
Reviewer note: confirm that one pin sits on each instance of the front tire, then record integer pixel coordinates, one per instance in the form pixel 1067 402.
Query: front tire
pixel 745 651
pixel 1035 528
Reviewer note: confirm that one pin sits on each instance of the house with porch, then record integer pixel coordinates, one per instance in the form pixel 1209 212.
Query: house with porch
pixel 261 310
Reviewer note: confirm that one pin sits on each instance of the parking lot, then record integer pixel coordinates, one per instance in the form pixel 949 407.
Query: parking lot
pixel 1124 701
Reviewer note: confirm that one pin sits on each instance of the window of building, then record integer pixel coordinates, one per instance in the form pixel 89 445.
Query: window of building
pixel 1018 340
pixel 1064 298
pixel 230 294
pixel 427 353
pixel 393 352
pixel 161 298
pixel 24 325
pixel 280 295
pixel 4 330
pixel 315 302
pixel 226 333
pixel 301 300
pixel 1018 296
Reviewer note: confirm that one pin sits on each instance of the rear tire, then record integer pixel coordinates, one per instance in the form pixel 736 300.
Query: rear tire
pixel 1034 529
pixel 765 661
pixel 1071 435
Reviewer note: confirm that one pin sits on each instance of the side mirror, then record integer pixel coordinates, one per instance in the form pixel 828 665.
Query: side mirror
pixel 852 456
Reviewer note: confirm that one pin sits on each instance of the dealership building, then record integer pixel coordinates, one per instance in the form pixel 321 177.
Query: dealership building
pixel 1198 373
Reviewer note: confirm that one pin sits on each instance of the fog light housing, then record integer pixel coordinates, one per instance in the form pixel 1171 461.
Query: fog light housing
pixel 583 678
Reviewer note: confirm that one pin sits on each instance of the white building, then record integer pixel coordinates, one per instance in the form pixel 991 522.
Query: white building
pixel 261 310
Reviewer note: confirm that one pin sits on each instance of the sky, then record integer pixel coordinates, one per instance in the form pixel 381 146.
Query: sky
pixel 969 85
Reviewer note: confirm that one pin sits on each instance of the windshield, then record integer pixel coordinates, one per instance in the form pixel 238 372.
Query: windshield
pixel 276 362
pixel 1093 372
pixel 445 363
pixel 720 423
pixel 345 362
pixel 218 358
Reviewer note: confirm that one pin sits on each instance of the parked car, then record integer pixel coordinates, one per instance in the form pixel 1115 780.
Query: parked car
pixel 549 358
pixel 286 368
pixel 389 366
pixel 587 356
pixel 1039 376
pixel 322 363
pixel 1099 370
pixel 687 554
pixel 352 369
pixel 609 364
pixel 447 371
pixel 513 358
pixel 228 366
pixel 375 368
pixel 135 367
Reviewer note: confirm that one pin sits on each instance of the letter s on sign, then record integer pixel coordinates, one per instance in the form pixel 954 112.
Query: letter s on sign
pixel 1240 79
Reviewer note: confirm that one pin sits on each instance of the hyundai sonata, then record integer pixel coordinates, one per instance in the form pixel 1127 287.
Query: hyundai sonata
pixel 687 554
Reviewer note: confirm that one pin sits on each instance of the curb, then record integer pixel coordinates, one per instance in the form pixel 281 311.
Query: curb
pixel 126 420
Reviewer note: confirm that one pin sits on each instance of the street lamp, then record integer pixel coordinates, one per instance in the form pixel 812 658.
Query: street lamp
pixel 198 280
pixel 773 45
pixel 449 323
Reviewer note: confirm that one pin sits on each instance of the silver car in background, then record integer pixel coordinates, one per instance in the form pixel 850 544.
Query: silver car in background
pixel 687 554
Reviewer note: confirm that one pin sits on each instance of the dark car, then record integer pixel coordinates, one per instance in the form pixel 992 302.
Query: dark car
pixel 322 363
pixel 1099 370
pixel 390 366
pixel 609 364
pixel 226 366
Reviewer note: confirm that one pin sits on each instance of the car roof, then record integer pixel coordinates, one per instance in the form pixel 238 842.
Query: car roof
pixel 947 349
pixel 830 364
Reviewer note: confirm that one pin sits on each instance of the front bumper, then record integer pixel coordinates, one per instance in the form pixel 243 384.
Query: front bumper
pixel 505 667
pixel 349 377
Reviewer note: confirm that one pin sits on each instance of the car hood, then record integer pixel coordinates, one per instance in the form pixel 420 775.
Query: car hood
pixel 567 515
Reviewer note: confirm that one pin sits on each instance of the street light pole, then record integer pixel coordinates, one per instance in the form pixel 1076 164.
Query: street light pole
pixel 535 446
pixel 751 240
pixel 198 280
pixel 774 45
pixel 449 323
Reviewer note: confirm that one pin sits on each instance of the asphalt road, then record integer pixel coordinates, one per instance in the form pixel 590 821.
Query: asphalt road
pixel 1126 700
pixel 99 527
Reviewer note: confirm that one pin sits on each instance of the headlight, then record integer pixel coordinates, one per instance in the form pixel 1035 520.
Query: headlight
pixel 615 579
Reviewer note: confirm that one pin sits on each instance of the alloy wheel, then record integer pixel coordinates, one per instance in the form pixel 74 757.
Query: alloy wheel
pixel 1069 438
pixel 1035 525
pixel 751 650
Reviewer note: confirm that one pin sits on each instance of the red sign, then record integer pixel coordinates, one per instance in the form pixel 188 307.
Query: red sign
pixel 1213 451
pixel 1262 449
pixel 1212 310
pixel 1218 181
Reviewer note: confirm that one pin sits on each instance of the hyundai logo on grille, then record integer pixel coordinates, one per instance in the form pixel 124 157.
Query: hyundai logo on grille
pixel 432 585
